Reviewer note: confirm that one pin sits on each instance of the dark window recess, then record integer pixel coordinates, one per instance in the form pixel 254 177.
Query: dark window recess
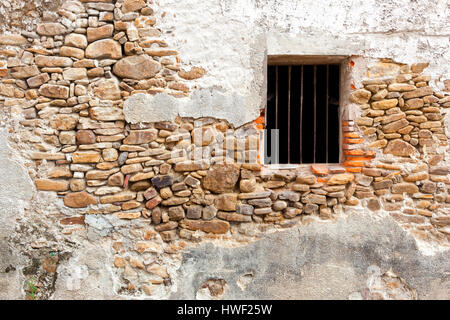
pixel 303 103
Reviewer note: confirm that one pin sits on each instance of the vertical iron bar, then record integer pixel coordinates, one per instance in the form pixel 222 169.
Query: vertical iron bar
pixel 315 102
pixel 289 114
pixel 276 97
pixel 301 114
pixel 326 111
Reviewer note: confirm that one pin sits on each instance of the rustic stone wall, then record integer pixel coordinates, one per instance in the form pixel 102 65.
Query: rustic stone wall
pixel 138 194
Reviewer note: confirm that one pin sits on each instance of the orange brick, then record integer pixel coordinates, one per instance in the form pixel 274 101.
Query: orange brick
pixel 370 153
pixel 319 169
pixel 324 180
pixel 260 120
pixel 353 163
pixel 260 126
pixel 353 141
pixel 353 170
pixel 352 135
pixel 356 152
pixel 360 158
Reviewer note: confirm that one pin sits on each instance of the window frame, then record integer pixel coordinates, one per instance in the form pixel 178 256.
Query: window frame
pixel 344 82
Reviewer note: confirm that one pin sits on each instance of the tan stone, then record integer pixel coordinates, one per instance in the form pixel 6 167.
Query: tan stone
pixel 64 121
pixel 360 96
pixel 384 104
pixel 131 168
pixel 76 40
pixel 213 226
pixel 38 80
pixel 102 32
pixel 86 157
pixel 104 49
pixel 416 177
pixel 394 126
pixel 203 136
pixel 60 172
pixel 71 52
pixel 51 61
pixel 107 89
pixel 421 92
pixel 191 165
pixel 401 87
pixel 12 39
pixel 51 29
pixel 54 91
pixel 116 179
pixel 342 178
pixel 398 147
pixel 128 215
pixel 119 262
pixel 106 113
pixel 119 197
pixel 407 187
pixel 132 5
pixel 24 72
pixel 52 185
pixel 110 154
pixel 75 74
pixel 136 67
pixel 77 185
pixel 67 137
pixel 412 104
pixel 79 199
pixel 192 74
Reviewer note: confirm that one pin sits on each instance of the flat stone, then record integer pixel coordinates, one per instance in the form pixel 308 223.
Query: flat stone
pixel 234 217
pixel 25 72
pixel 79 199
pixel 400 148
pixel 54 91
pixel 421 92
pixel 342 178
pixel 106 113
pixel 395 126
pixel 72 74
pixel 38 80
pixel 211 226
pixel 185 166
pixel 51 29
pixel 401 87
pixel 407 187
pixel 52 61
pixel 384 104
pixel 119 197
pixel 86 157
pixel 136 67
pixel 66 51
pixel 12 39
pixel 51 185
pixel 194 73
pixel 254 195
pixel 141 136
pixel 104 49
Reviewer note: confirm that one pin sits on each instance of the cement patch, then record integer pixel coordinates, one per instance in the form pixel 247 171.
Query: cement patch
pixel 319 261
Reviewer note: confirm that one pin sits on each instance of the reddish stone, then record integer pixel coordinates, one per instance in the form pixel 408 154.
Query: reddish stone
pixel 153 203
pixel 85 137
pixel 221 178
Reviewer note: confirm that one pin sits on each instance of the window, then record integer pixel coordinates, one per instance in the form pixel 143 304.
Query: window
pixel 303 104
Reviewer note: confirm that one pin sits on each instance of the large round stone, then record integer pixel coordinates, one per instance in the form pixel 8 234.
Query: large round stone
pixel 136 67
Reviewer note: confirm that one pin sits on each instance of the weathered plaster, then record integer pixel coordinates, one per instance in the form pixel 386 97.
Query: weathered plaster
pixel 322 260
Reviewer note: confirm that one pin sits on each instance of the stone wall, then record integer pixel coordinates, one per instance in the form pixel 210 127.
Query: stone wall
pixel 139 163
